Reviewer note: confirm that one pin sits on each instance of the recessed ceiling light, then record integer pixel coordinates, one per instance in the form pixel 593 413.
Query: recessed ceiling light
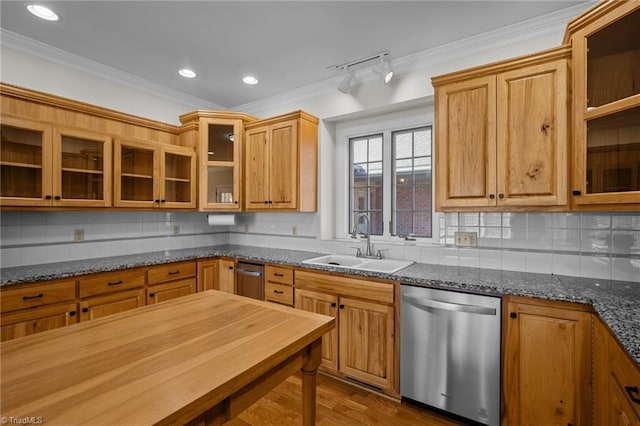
pixel 42 12
pixel 187 73
pixel 249 79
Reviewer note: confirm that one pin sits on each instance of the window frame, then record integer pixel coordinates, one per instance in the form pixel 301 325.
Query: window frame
pixel 385 124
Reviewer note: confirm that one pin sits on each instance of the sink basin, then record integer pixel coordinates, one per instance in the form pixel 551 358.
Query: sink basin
pixel 387 266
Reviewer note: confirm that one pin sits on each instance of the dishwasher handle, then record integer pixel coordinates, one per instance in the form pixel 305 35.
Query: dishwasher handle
pixel 448 306
pixel 249 272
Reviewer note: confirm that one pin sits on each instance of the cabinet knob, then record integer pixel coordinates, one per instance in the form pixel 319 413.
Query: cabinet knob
pixel 152 295
pixel 513 315
pixel 341 306
pixel 235 202
pixel 333 305
pixel 163 201
pixel 501 196
pixel 270 202
pixel 492 196
pixel 57 198
pixel 85 310
pixel 48 197
pixel 266 202
pixel 157 201
pixel 72 313
pixel 230 268
pixel 576 192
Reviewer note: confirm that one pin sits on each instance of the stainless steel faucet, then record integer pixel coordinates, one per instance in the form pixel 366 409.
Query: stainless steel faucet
pixel 354 234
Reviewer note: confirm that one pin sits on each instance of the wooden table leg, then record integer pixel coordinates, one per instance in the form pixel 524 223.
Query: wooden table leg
pixel 309 370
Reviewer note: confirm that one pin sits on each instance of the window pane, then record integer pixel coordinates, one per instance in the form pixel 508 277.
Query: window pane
pixel 376 223
pixel 359 147
pixel 360 175
pixel 404 223
pixel 375 149
pixel 404 197
pixel 422 143
pixel 403 148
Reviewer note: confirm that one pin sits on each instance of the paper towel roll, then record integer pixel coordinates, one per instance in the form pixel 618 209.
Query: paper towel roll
pixel 221 219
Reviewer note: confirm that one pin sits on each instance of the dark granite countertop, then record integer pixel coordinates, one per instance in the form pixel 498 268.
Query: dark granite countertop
pixel 617 302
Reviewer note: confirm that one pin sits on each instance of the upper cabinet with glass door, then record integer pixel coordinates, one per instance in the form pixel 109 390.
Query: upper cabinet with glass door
pixel 44 165
pixel 218 138
pixel 606 106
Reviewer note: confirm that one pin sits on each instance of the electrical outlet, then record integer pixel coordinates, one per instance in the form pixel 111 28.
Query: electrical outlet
pixel 466 239
pixel 176 229
pixel 78 235
pixel 294 230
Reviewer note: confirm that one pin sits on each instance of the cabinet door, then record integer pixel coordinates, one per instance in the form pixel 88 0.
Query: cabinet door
pixel 466 143
pixel 208 274
pixel 82 168
pixel 171 290
pixel 136 168
pixel 220 164
pixel 547 366
pixel 620 413
pixel 283 165
pixel 366 341
pixel 257 169
pixel 178 177
pixel 532 135
pixel 102 306
pixel 227 277
pixel 26 163
pixel 325 304
pixel 31 321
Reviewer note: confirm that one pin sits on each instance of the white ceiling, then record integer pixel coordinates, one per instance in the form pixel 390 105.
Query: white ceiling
pixel 287 45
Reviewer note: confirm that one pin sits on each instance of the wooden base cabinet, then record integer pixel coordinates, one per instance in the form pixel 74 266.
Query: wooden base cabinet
pixel 216 274
pixel 170 281
pixel 109 304
pixel 109 293
pixel 362 346
pixel 31 321
pixel 546 363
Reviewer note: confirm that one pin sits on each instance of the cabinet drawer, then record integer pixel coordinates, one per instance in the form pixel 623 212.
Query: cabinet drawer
pixel 278 274
pixel 345 286
pixel 279 293
pixel 171 271
pixel 29 296
pixel 111 281
pixel 167 291
pixel 31 321
pixel 627 376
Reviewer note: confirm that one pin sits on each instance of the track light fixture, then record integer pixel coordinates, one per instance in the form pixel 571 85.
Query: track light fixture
pixel 349 68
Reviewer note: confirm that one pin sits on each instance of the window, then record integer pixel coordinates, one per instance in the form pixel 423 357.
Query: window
pixel 390 181
pixel 411 208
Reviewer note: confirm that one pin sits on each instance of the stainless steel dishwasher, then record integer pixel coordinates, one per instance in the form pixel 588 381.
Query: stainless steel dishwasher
pixel 450 352
pixel 249 280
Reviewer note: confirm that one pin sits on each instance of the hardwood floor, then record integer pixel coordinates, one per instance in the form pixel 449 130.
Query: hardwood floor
pixel 338 403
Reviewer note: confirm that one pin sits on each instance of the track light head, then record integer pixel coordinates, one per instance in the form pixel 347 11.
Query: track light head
pixel 385 70
pixel 345 85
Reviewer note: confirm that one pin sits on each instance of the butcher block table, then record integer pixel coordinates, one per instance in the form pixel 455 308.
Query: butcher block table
pixel 199 359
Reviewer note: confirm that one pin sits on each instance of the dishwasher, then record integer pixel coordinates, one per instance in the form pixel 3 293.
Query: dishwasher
pixel 450 352
pixel 249 280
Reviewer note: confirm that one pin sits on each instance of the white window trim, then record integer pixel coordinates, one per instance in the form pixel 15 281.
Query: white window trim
pixel 385 124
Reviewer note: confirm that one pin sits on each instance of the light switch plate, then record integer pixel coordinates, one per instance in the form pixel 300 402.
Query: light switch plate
pixel 78 235
pixel 466 239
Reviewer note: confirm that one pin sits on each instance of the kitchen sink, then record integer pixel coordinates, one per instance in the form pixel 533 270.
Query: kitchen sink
pixel 387 266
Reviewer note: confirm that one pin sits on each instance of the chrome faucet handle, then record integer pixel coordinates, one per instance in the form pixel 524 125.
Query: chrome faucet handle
pixel 358 251
pixel 379 253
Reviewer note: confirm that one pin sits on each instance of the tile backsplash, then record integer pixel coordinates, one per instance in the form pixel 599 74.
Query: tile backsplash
pixel 598 245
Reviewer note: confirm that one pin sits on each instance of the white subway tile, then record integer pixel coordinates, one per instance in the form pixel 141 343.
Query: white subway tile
pixel 539 220
pixel 565 264
pixel 625 221
pixel 539 238
pixel 448 256
pixel 625 242
pixel 491 219
pixel 566 240
pixel 595 241
pixel 33 255
pixel 625 269
pixel 10 257
pixel 490 259
pixel 11 235
pixel 596 221
pixel 430 255
pixel 566 220
pixel 514 260
pixel 595 267
pixel 540 263
pixel 469 257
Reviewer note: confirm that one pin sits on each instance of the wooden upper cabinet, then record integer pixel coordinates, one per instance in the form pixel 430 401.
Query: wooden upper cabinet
pixel 501 135
pixel 45 165
pixel 606 106
pixel 281 169
pixel 153 176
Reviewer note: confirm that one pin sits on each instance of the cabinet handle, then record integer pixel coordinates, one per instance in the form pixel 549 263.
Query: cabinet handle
pixel 48 197
pixel 630 391
pixel 163 201
pixel 266 202
pixel 72 313
pixel 492 196
pixel 230 268
pixel 235 202
pixel 57 198
pixel 576 192
pixel 333 305
pixel 114 282
pixel 174 272
pixel 37 296
pixel 278 291
pixel 158 201
pixel 341 306
pixel 85 310
pixel 270 202
pixel 513 315
pixel 278 274
pixel 152 295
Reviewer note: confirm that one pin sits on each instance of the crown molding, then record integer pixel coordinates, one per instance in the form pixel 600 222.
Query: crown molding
pixel 544 25
pixel 44 51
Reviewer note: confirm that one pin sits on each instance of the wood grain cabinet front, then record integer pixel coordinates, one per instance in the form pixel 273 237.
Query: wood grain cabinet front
pixel 546 363
pixel 502 135
pixel 278 285
pixel 166 282
pixel 113 303
pixel 363 344
pixel 35 320
pixel 109 293
pixel 281 170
